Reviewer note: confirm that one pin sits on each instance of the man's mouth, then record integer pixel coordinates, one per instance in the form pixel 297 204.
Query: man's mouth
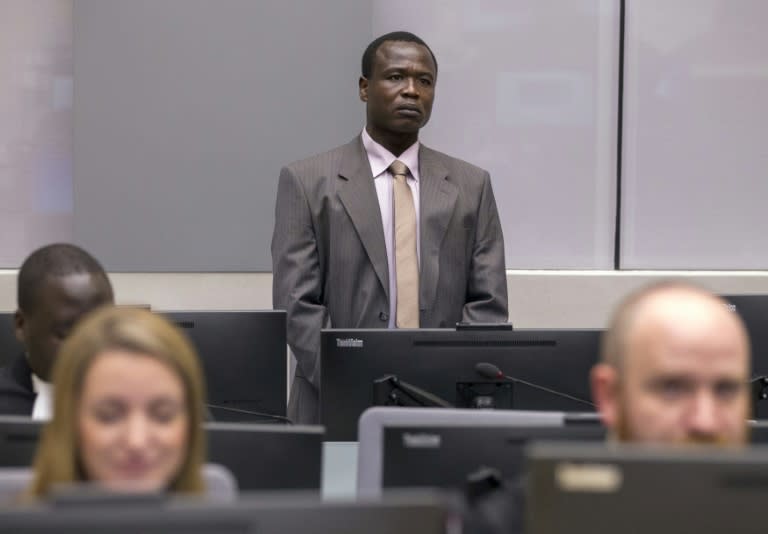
pixel 408 111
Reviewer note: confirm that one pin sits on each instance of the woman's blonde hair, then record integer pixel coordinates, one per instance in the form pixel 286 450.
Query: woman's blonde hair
pixel 135 331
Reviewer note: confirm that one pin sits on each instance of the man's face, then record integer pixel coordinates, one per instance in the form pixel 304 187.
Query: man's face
pixel 400 90
pixel 60 302
pixel 683 382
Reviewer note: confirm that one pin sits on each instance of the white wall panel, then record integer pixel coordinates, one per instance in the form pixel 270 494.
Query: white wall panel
pixel 528 90
pixel 35 126
pixel 695 149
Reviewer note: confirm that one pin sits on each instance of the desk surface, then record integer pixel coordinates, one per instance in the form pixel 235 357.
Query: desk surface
pixel 339 475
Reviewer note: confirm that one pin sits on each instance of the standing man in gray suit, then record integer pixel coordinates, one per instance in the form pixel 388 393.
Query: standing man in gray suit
pixel 384 232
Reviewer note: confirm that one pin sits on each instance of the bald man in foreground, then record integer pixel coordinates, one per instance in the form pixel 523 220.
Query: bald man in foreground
pixel 675 369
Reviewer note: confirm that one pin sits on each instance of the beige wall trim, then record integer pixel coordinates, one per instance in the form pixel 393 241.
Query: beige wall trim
pixel 538 299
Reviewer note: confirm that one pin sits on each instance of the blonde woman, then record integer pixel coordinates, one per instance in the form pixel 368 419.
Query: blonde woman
pixel 129 399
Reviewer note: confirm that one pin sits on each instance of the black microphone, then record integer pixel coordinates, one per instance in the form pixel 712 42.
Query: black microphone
pixel 488 370
pixel 759 386
pixel 249 412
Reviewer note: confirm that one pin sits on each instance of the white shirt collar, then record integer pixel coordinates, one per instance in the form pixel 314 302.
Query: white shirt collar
pixel 43 408
pixel 380 158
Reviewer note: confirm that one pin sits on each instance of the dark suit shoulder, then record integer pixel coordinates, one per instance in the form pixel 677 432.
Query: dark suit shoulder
pixel 16 394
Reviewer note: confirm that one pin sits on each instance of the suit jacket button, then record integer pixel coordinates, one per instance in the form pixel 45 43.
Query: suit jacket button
pixel 384 316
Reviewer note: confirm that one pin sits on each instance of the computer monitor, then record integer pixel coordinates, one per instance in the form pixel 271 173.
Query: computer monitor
pixel 758 432
pixel 402 447
pixel 443 362
pixel 10 347
pixel 268 457
pixel 261 457
pixel 753 309
pixel 243 353
pixel 244 358
pixel 18 440
pixel 262 514
pixel 606 488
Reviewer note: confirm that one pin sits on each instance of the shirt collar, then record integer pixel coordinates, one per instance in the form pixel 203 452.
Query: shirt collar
pixel 380 158
pixel 39 385
pixel 42 409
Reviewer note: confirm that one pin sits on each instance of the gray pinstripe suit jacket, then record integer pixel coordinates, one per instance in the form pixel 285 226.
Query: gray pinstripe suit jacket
pixel 330 262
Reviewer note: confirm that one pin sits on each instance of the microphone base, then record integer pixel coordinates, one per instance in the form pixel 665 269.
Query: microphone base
pixel 485 395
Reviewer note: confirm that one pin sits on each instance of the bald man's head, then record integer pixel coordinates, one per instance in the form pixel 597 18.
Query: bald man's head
pixel 675 367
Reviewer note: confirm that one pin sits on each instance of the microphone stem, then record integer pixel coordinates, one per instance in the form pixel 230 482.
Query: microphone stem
pixel 249 412
pixel 552 391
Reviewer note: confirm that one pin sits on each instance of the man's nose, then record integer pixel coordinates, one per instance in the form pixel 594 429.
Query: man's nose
pixel 410 88
pixel 703 416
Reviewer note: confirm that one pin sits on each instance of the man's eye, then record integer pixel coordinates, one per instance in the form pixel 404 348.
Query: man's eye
pixel 728 390
pixel 672 388
pixel 426 82
pixel 396 77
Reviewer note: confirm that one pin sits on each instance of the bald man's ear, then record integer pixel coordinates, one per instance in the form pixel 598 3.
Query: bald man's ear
pixel 362 85
pixel 605 393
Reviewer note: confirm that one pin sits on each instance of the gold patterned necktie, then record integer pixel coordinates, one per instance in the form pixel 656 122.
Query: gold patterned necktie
pixel 406 260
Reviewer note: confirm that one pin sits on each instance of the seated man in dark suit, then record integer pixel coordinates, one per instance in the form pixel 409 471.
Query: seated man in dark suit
pixel 57 285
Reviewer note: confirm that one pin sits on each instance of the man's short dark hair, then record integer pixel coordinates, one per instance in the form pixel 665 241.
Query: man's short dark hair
pixel 370 51
pixel 58 259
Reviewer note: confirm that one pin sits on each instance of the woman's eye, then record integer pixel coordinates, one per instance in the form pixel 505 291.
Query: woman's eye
pixel 164 413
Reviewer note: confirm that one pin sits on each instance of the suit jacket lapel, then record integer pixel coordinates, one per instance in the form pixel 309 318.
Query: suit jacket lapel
pixel 358 196
pixel 437 199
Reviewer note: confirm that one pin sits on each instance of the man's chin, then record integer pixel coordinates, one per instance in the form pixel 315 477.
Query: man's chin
pixel 409 125
pixel 628 437
pixel 717 441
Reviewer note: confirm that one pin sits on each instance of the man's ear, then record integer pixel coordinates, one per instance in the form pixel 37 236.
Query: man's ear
pixel 18 325
pixel 362 85
pixel 605 393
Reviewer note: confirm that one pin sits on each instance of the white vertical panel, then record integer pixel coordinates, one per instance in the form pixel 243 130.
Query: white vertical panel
pixel 528 90
pixel 35 126
pixel 695 149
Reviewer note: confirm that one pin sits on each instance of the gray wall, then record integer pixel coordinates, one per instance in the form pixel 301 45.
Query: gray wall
pixel 35 126
pixel 529 90
pixel 185 110
pixel 695 137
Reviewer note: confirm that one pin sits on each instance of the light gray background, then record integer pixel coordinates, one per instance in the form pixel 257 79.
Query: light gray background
pixel 35 126
pixel 184 111
pixel 528 89
pixel 695 174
